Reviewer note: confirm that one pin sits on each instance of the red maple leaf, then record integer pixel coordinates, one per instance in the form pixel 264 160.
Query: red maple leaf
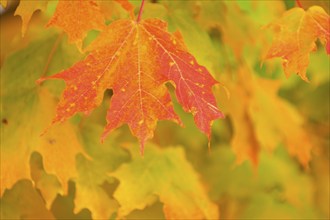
pixel 135 60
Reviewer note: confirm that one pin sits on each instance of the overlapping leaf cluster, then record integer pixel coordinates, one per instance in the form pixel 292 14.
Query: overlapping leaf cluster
pixel 147 73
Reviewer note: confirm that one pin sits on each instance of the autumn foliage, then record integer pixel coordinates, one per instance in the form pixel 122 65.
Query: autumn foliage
pixel 90 90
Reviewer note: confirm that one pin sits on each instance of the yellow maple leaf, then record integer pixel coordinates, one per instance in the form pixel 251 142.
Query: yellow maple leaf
pixel 25 113
pixel 53 146
pixel 26 8
pixel 183 198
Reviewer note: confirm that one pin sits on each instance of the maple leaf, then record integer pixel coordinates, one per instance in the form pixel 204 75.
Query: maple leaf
pixel 183 198
pixel 256 126
pixel 22 129
pixel 25 139
pixel 136 59
pixel 244 141
pixel 287 127
pixel 26 8
pixel 76 18
pixel 295 35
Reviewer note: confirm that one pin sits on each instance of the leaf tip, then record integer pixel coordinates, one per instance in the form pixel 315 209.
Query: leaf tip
pixel 142 148
pixel 103 136
pixel 304 77
pixel 209 146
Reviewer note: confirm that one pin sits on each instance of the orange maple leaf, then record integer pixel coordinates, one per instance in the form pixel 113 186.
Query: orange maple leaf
pixel 295 35
pixel 136 59
pixel 76 18
pixel 253 101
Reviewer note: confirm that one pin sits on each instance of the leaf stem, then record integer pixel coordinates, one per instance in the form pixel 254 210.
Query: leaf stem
pixel 299 3
pixel 140 12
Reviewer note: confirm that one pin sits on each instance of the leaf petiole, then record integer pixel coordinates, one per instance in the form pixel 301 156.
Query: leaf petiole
pixel 140 12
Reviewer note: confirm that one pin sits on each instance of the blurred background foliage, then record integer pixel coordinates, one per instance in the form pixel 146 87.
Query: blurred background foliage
pixel 251 172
